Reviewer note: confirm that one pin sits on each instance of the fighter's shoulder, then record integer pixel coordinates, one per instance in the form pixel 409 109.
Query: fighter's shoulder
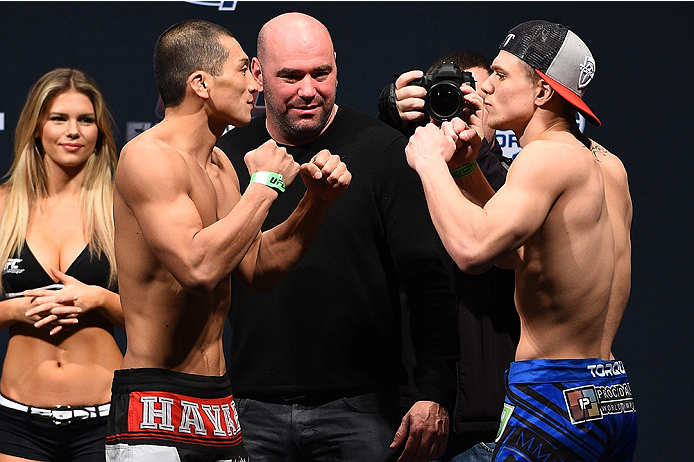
pixel 545 162
pixel 147 159
pixel 563 149
pixel 147 147
pixel 610 164
pixel 603 155
pixel 539 153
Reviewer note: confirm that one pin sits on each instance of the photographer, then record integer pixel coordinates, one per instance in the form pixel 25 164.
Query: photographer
pixel 402 106
pixel 488 323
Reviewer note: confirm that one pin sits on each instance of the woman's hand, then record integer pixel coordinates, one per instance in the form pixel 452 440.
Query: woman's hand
pixel 58 308
pixel 51 309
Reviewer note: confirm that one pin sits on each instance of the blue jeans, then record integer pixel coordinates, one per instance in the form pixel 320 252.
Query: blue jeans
pixel 355 429
pixel 481 452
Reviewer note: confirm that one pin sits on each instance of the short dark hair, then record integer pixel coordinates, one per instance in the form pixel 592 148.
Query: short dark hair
pixel 530 72
pixel 465 60
pixel 184 48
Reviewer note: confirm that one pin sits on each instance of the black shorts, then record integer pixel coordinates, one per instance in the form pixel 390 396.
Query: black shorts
pixel 39 438
pixel 158 414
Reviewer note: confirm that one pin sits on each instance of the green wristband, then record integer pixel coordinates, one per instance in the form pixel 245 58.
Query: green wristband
pixel 271 179
pixel 465 170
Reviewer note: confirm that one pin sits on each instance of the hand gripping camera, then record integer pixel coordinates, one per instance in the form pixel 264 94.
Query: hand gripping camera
pixel 444 100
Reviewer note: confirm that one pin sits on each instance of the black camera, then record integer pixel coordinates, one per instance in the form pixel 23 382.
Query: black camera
pixel 444 100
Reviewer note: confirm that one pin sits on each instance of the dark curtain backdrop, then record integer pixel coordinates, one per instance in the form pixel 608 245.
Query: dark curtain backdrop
pixel 641 93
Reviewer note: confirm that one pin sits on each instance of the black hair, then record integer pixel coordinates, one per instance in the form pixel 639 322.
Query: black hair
pixel 184 48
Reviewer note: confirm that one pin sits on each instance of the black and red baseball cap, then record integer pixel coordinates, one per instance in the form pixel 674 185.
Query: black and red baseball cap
pixel 558 56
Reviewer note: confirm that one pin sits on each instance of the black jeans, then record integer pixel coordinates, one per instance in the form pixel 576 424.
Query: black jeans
pixel 351 429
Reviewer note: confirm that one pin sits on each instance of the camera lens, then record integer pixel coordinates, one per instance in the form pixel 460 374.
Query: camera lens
pixel 444 101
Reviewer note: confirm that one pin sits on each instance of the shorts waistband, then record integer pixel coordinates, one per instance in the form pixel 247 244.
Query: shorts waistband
pixel 153 379
pixel 564 370
pixel 59 415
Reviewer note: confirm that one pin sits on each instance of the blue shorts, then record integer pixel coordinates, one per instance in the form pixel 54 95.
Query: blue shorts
pixel 567 410
pixel 160 415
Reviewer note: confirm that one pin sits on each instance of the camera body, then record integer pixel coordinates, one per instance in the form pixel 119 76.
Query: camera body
pixel 444 100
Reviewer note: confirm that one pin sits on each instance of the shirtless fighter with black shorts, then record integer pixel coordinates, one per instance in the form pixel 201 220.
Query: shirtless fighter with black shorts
pixel 182 228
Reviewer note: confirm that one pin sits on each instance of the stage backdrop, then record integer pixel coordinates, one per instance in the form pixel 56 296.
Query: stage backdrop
pixel 642 93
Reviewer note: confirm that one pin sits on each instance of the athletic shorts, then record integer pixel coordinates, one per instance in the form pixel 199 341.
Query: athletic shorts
pixel 567 410
pixel 161 415
pixel 36 437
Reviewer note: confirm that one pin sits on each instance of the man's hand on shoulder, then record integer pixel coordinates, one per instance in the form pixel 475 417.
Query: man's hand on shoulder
pixel 326 177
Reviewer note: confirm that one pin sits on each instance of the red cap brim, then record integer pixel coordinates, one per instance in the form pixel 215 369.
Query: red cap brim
pixel 571 97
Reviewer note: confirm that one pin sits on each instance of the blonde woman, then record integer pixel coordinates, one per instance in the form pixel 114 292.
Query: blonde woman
pixel 56 246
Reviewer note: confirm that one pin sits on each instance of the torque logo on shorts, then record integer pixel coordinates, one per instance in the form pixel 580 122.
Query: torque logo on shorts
pixel 607 369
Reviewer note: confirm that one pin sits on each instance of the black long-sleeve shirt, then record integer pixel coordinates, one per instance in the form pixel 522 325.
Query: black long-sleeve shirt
pixel 333 325
pixel 489 326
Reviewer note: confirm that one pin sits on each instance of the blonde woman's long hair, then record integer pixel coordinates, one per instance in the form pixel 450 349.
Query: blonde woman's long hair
pixel 26 180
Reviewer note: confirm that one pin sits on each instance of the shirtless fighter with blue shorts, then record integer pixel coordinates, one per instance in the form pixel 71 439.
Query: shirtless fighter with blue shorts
pixel 562 221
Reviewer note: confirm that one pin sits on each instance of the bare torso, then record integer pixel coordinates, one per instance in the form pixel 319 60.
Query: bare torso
pixel 183 227
pixel 567 275
pixel 74 367
pixel 167 326
pixel 65 369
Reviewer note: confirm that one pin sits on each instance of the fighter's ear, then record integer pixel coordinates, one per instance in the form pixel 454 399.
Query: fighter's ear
pixel 198 83
pixel 257 73
pixel 544 92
